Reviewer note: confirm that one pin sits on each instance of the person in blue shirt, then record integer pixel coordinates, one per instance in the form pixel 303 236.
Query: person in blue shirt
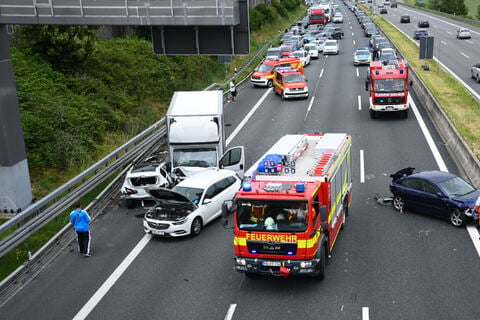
pixel 81 223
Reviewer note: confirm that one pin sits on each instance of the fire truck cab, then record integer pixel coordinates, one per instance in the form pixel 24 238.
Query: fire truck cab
pixel 263 75
pixel 387 82
pixel 292 205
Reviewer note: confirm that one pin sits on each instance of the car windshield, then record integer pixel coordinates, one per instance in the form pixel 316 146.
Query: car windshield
pixel 363 53
pixel 192 194
pixel 298 54
pixel 272 216
pixel 273 52
pixel 265 68
pixel 390 85
pixel 330 44
pixel 195 157
pixel 456 186
pixel 311 47
pixel 292 78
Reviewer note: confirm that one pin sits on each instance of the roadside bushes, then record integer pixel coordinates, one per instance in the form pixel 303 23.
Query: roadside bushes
pixel 263 15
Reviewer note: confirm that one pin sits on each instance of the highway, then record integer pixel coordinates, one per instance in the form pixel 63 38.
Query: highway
pixel 458 55
pixel 385 265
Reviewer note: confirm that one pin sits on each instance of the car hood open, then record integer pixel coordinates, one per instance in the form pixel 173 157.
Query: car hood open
pixel 166 196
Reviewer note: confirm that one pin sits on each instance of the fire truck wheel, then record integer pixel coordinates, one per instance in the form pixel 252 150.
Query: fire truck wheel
pixel 373 114
pixel 457 218
pixel 250 275
pixel 398 203
pixel 320 274
pixel 270 83
pixel 405 114
pixel 130 203
pixel 196 226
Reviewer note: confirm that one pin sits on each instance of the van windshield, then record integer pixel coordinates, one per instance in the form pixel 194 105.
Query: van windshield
pixel 205 158
pixel 265 68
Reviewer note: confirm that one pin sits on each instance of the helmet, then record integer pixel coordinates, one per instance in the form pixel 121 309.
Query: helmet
pixel 269 222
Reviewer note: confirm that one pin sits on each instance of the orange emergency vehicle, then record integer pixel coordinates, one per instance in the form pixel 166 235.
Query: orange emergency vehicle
pixel 292 205
pixel 388 84
pixel 290 83
pixel 263 75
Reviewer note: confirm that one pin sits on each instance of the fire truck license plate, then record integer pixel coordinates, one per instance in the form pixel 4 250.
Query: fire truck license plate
pixel 271 263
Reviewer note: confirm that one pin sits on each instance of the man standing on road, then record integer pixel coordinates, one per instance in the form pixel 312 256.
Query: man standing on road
pixel 81 222
pixel 233 90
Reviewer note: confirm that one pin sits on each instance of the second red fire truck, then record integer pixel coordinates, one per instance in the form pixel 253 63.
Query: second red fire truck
pixel 292 205
pixel 388 84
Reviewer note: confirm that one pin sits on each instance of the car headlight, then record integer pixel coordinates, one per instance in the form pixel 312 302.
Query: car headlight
pixel 180 222
pixel 241 262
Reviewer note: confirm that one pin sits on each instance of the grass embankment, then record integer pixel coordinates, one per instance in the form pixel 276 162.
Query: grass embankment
pixel 124 90
pixel 460 106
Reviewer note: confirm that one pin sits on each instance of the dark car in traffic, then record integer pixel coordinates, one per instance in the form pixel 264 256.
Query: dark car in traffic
pixel 437 193
pixel 383 11
pixel 423 24
pixel 420 33
pixel 404 18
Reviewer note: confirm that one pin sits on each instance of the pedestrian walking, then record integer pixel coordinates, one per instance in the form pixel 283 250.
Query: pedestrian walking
pixel 233 90
pixel 81 223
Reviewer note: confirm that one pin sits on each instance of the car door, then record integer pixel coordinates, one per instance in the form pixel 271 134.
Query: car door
pixel 217 194
pixel 434 201
pixel 234 159
pixel 413 193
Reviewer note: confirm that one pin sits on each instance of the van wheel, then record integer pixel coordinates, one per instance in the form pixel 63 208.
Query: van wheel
pixel 270 83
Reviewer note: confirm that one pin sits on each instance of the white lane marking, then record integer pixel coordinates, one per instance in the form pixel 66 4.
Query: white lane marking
pixel 353 34
pixel 321 73
pixel 474 235
pixel 359 102
pixel 443 42
pixel 309 107
pixel 433 148
pixel 472 230
pixel 102 291
pixel 365 313
pixel 230 311
pixel 449 32
pixel 362 168
pixel 353 41
pixel 358 74
pixel 469 41
pixel 463 54
pixel 248 116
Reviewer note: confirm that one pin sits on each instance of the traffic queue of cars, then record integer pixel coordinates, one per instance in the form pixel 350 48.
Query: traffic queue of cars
pixel 186 207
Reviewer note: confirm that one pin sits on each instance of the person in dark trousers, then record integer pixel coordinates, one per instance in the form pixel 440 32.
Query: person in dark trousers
pixel 81 223
pixel 233 90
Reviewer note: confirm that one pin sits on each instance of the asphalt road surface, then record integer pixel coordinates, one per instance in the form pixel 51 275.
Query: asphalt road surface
pixel 385 265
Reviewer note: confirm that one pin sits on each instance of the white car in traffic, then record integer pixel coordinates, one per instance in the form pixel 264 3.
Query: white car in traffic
pixel 191 204
pixel 330 47
pixel 312 50
pixel 303 56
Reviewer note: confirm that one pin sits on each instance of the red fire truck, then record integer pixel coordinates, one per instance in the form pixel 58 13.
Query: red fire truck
pixel 292 205
pixel 388 84
pixel 317 16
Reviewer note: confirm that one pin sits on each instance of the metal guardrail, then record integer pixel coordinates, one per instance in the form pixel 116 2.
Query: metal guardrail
pixel 49 207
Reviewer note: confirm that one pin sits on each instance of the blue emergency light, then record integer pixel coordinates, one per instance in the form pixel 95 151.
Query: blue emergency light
pixel 247 186
pixel 300 187
pixel 401 71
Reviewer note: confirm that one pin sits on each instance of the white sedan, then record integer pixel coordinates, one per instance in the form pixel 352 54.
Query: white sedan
pixel 330 47
pixel 303 56
pixel 191 204
pixel 312 50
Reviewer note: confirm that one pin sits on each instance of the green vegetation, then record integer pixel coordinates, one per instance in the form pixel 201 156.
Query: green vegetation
pixel 72 117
